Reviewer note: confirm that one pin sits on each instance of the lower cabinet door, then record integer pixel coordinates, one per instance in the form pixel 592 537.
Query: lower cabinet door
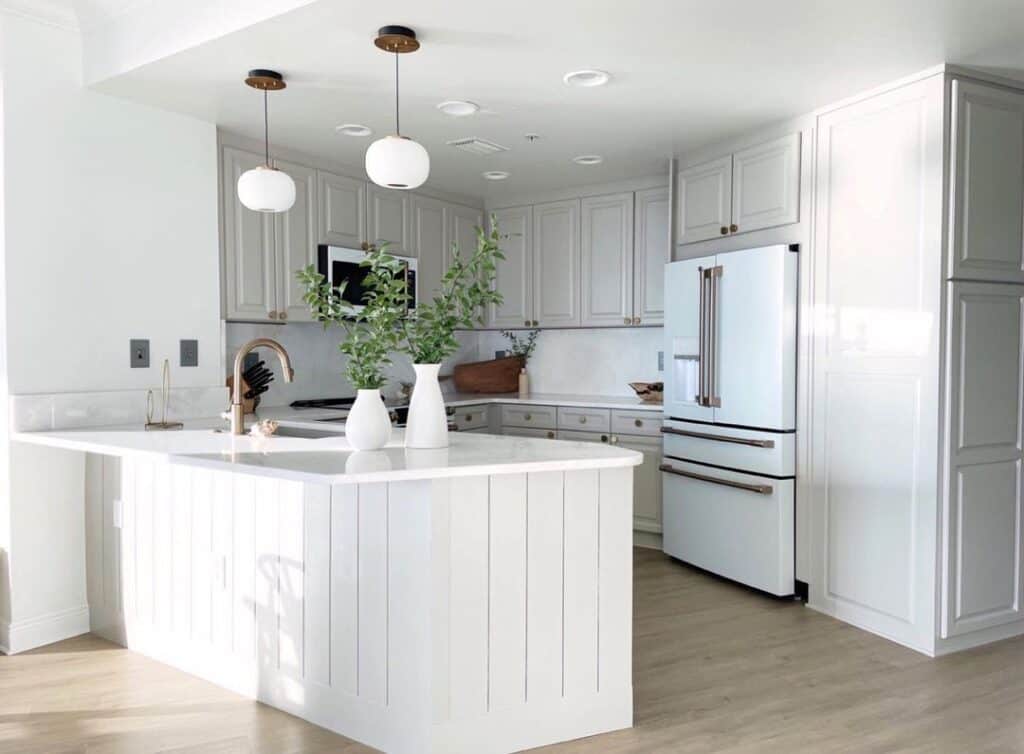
pixel 646 482
pixel 736 525
pixel 548 434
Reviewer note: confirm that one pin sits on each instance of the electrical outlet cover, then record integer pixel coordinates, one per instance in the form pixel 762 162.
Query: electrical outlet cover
pixel 139 348
pixel 189 353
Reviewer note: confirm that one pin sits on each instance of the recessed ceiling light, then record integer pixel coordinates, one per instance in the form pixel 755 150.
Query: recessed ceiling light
pixel 588 159
pixel 589 77
pixel 458 108
pixel 353 129
pixel 496 175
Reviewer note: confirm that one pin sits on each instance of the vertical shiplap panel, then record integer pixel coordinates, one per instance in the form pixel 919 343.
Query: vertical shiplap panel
pixel 162 546
pixel 344 587
pixel 468 597
pixel 244 565
pixel 544 516
pixel 127 543
pixel 506 676
pixel 440 570
pixel 615 578
pixel 94 531
pixel 373 592
pixel 202 521
pixel 291 578
pixel 317 582
pixel 181 549
pixel 580 590
pixel 221 547
pixel 266 550
pixel 144 540
pixel 113 510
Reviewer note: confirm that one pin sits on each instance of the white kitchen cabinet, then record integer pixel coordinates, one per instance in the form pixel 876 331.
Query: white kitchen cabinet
pixel 295 243
pixel 462 230
pixel 766 185
pixel 389 219
pixel 987 183
pixel 514 276
pixel 652 250
pixel 429 241
pixel 983 513
pixel 342 216
pixel 556 264
pixel 607 261
pixel 646 481
pixel 705 200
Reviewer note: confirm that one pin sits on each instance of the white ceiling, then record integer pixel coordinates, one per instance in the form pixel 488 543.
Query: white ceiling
pixel 685 73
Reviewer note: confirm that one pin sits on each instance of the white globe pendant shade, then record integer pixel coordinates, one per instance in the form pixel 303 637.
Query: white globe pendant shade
pixel 266 189
pixel 397 162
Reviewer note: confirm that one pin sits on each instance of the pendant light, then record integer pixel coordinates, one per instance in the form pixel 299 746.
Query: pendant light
pixel 265 188
pixel 396 161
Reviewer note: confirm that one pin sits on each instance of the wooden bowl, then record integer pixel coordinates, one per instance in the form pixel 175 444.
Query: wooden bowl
pixel 649 392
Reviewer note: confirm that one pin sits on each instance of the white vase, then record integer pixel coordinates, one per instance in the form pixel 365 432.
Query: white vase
pixel 427 423
pixel 368 426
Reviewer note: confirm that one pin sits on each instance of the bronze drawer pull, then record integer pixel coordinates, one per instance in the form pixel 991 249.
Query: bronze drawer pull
pixel 735 440
pixel 760 489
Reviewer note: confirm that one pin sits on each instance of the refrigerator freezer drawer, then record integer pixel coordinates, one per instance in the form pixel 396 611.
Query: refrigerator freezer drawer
pixel 737 525
pixel 770 453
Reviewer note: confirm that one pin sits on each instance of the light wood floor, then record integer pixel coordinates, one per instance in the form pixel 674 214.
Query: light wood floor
pixel 717 669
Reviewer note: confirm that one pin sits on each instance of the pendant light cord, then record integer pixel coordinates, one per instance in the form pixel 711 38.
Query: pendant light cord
pixel 398 130
pixel 266 130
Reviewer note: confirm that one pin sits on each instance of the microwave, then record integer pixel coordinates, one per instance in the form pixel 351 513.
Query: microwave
pixel 338 264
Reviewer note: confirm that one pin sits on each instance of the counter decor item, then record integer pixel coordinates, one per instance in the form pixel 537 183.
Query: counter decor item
pixel 491 376
pixel 523 347
pixel 165 395
pixel 649 392
pixel 372 334
pixel 467 288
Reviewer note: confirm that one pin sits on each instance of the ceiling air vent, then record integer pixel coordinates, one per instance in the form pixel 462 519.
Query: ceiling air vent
pixel 475 145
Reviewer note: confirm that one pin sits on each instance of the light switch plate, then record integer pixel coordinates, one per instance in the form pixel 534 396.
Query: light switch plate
pixel 499 354
pixel 139 353
pixel 189 353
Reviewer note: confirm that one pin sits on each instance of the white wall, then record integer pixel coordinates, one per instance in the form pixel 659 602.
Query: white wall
pixel 111 226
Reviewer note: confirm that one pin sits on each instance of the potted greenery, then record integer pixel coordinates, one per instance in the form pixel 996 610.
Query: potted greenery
pixel 522 347
pixel 429 334
pixel 372 334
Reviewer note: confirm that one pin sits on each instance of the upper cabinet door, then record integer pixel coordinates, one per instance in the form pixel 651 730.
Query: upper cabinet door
pixel 607 266
pixel 389 219
pixel 250 277
pixel 556 263
pixel 652 250
pixel 462 226
pixel 987 184
pixel 766 185
pixel 429 239
pixel 514 278
pixel 705 196
pixel 342 210
pixel 295 243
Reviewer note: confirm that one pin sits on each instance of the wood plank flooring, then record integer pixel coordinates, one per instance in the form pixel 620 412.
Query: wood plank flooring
pixel 717 668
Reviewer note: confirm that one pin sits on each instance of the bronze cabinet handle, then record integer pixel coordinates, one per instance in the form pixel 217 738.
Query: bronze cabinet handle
pixel 551 435
pixel 733 228
pixel 626 320
pixel 583 420
pixel 724 231
pixel 282 315
pixel 528 417
pixel 638 423
pixel 273 315
pixel 636 320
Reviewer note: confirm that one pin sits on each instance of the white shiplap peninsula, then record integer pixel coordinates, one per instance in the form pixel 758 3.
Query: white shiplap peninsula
pixel 473 599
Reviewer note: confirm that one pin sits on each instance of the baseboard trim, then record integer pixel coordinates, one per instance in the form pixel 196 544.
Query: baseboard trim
pixel 21 636
pixel 648 539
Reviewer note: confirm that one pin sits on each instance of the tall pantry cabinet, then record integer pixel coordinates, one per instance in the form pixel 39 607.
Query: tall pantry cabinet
pixel 916 379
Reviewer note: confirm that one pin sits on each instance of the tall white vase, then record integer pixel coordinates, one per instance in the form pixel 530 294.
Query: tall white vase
pixel 427 423
pixel 368 426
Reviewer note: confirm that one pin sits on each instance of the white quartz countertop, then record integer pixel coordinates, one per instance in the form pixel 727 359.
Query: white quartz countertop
pixel 330 460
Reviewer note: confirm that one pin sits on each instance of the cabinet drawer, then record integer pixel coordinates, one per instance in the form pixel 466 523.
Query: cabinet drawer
pixel 547 434
pixel 771 453
pixel 469 417
pixel 568 434
pixel 636 422
pixel 736 525
pixel 542 417
pixel 584 419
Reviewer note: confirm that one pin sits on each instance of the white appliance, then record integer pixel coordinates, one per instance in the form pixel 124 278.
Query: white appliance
pixel 339 264
pixel 730 415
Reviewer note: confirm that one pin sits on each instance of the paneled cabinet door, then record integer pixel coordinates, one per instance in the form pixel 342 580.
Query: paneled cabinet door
pixel 514 277
pixel 429 236
pixel 556 263
pixel 983 512
pixel 462 225
pixel 987 184
pixel 766 185
pixel 250 277
pixel 607 260
pixel 295 243
pixel 389 219
pixel 705 198
pixel 652 250
pixel 342 210
pixel 646 482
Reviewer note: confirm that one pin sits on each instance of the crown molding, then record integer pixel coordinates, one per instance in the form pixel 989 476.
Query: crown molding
pixel 49 12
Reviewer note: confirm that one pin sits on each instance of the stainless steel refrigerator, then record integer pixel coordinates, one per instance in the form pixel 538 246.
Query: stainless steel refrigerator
pixel 729 468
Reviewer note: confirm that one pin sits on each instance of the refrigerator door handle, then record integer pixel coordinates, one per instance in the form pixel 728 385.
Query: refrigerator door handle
pixel 701 345
pixel 757 443
pixel 712 398
pixel 760 489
